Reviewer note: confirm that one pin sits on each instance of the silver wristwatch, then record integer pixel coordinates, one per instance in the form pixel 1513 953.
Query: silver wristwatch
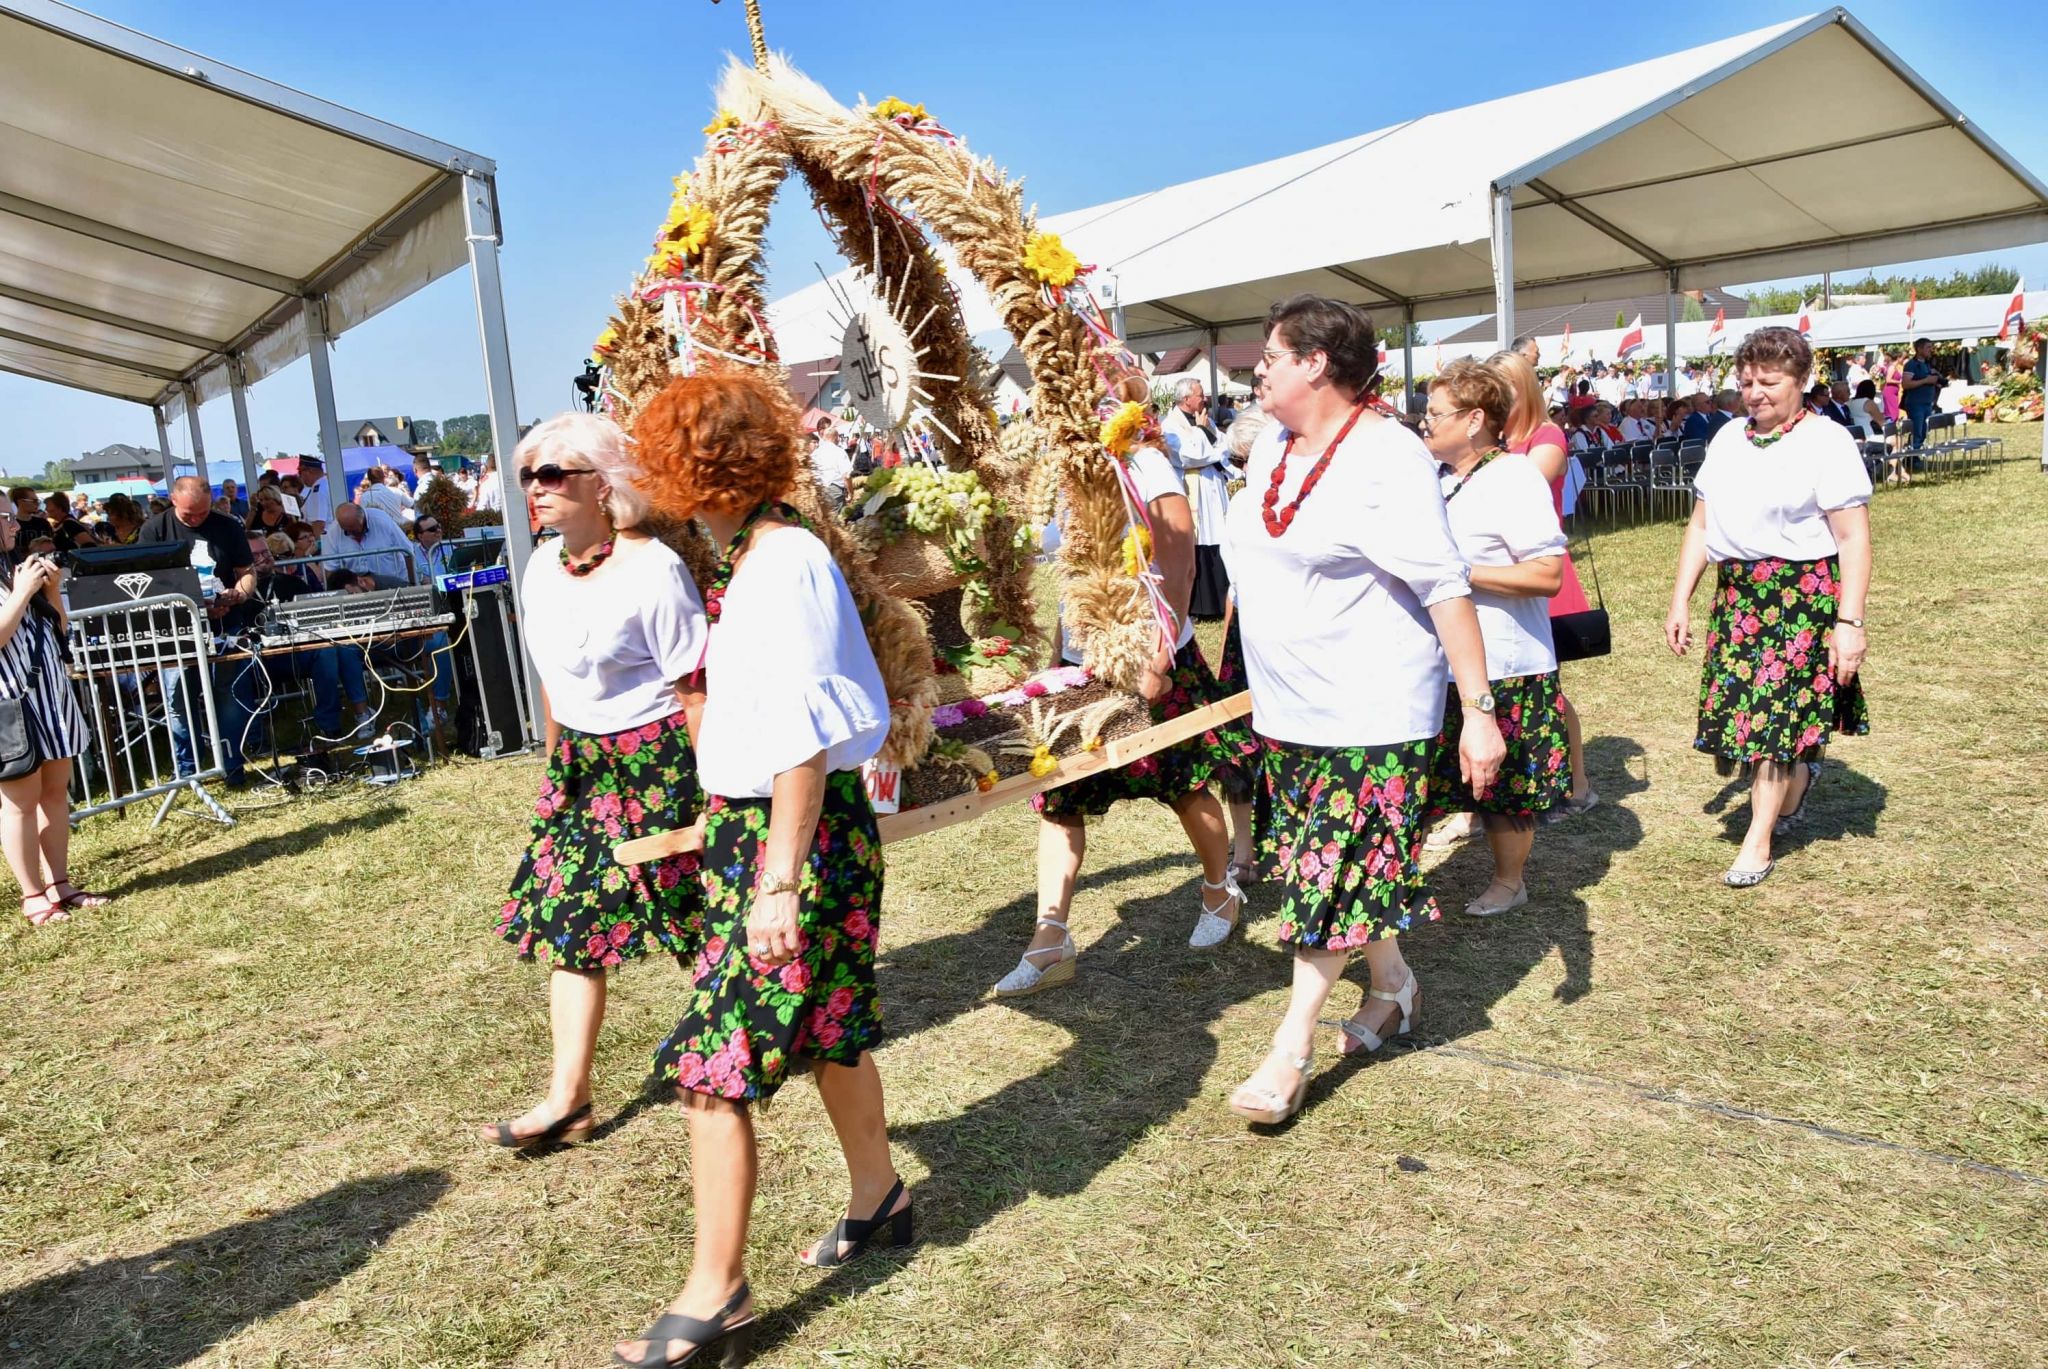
pixel 1484 703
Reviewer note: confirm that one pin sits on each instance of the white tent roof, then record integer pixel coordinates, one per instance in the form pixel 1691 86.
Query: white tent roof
pixel 160 211
pixel 1745 159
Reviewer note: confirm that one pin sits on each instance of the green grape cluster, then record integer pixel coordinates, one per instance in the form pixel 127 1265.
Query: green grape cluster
pixel 936 501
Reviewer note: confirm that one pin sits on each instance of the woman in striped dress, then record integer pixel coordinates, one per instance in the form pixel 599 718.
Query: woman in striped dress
pixel 35 818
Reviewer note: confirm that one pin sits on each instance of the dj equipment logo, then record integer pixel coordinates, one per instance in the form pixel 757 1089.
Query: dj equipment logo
pixel 132 584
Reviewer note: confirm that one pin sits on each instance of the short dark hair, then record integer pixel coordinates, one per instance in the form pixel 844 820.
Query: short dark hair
pixel 1866 389
pixel 1777 349
pixel 341 578
pixel 1920 342
pixel 1341 332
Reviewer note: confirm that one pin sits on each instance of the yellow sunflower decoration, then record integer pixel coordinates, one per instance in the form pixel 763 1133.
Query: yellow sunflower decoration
pixel 1137 551
pixel 893 108
pixel 1121 429
pixel 1047 258
pixel 725 121
pixel 1043 763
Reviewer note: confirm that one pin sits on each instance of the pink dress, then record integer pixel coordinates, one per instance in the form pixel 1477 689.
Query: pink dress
pixel 1571 595
pixel 1894 377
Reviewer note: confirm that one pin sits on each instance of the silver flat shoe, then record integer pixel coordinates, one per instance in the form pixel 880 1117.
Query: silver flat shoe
pixel 1747 879
pixel 1479 907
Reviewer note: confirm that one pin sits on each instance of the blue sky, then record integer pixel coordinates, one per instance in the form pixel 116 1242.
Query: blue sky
pixel 588 111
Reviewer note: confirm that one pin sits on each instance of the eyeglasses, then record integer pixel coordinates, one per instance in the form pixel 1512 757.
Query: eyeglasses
pixel 1430 417
pixel 428 527
pixel 1269 355
pixel 551 477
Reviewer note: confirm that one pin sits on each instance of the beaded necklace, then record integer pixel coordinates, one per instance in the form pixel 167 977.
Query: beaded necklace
pixel 579 569
pixel 1278 523
pixel 728 560
pixel 1466 479
pixel 1775 434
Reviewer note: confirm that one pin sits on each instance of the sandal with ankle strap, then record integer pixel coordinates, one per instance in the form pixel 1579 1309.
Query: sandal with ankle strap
pixel 51 911
pixel 732 1343
pixel 1263 1105
pixel 1211 929
pixel 1359 1039
pixel 825 1252
pixel 78 898
pixel 570 1128
pixel 1030 978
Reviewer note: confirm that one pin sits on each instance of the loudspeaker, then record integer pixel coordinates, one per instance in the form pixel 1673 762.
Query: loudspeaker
pixel 490 676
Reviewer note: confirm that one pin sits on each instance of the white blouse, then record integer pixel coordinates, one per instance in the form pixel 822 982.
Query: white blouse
pixel 1153 473
pixel 789 672
pixel 1338 645
pixel 609 649
pixel 1774 501
pixel 1502 517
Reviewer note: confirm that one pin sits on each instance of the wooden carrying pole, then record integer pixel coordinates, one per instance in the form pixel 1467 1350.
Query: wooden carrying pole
pixel 933 817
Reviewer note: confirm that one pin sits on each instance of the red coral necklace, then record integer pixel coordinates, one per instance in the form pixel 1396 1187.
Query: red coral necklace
pixel 1277 522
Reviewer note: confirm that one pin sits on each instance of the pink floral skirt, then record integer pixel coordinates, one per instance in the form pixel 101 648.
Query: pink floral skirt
pixel 1340 833
pixel 570 903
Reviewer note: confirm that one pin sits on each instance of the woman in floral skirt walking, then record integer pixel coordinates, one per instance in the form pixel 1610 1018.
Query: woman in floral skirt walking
pixel 613 624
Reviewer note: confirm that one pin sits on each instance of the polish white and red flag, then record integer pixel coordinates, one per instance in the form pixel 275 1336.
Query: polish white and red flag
pixel 1631 341
pixel 1912 306
pixel 1805 317
pixel 1718 334
pixel 2015 313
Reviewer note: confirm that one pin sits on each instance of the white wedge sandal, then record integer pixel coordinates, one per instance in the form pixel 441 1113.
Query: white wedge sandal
pixel 1212 929
pixel 1359 1038
pixel 1030 977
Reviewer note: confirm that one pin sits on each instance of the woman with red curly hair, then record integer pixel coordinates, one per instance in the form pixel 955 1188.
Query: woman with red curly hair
pixel 784 963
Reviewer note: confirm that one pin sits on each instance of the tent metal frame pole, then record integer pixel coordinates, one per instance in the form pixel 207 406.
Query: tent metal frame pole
pixel 480 219
pixel 1407 357
pixel 1215 341
pixel 238 391
pixel 192 427
pixel 1504 263
pixel 314 318
pixel 163 440
pixel 1671 333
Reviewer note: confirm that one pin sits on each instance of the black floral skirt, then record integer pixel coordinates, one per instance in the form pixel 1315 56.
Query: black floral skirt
pixel 570 903
pixel 1536 773
pixel 1241 751
pixel 1766 692
pixel 1340 831
pixel 1167 775
pixel 745 1021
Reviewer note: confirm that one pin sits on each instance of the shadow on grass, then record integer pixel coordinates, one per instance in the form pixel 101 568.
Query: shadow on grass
pixel 247 855
pixel 1138 1017
pixel 1843 803
pixel 175 1303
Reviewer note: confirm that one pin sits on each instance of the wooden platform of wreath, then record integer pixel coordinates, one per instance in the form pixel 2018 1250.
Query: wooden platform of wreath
pixel 938 551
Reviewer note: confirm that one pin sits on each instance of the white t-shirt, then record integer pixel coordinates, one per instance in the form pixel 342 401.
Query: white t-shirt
pixel 1773 501
pixel 831 466
pixel 1153 473
pixel 1611 388
pixel 1338 643
pixel 610 649
pixel 1637 429
pixel 314 505
pixel 1502 517
pixel 789 672
pixel 395 503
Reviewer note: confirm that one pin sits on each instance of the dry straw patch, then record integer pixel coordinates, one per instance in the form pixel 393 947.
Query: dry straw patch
pixel 233 1108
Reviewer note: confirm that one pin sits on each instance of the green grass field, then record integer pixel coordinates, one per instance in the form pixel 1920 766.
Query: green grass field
pixel 235 1108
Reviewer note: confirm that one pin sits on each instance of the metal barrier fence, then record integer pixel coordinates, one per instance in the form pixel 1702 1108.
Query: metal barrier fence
pixel 144 675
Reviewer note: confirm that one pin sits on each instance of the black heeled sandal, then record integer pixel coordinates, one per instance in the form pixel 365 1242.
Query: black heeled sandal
pixel 826 1251
pixel 733 1344
pixel 568 1129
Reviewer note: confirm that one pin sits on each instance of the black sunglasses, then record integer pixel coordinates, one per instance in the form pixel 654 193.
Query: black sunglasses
pixel 551 477
pixel 428 527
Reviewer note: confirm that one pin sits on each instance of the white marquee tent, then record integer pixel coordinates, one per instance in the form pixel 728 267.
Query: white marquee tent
pixel 1746 159
pixel 173 229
